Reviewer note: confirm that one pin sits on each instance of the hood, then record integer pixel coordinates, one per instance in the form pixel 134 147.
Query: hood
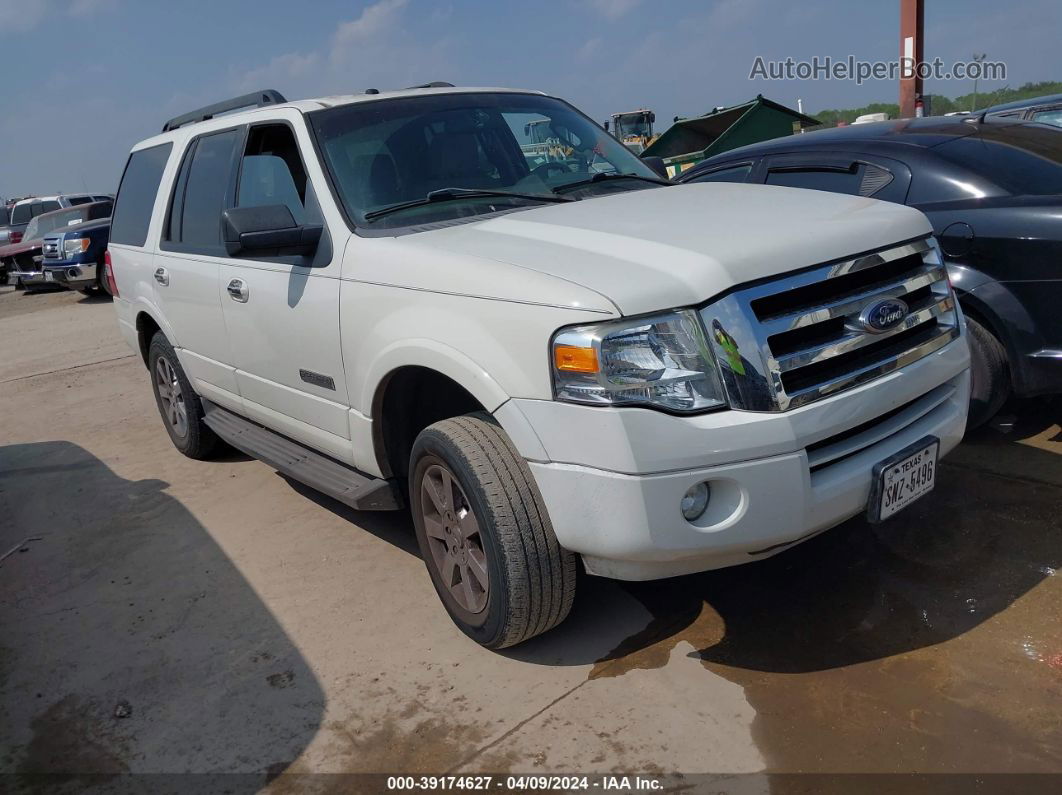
pixel 647 250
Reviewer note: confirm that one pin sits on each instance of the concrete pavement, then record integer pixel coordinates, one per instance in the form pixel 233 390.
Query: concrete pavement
pixel 237 621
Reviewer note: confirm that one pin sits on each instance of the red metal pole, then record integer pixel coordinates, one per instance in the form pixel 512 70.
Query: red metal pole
pixel 912 16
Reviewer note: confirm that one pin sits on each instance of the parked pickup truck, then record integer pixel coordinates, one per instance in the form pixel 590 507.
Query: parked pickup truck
pixel 24 260
pixel 377 295
pixel 73 257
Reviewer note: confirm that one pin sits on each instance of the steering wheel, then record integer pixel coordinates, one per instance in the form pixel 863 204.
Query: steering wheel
pixel 542 172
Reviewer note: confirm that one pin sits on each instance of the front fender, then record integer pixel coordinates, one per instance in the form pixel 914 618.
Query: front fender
pixel 433 355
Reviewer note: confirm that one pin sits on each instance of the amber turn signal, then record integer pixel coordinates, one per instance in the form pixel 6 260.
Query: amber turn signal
pixel 575 360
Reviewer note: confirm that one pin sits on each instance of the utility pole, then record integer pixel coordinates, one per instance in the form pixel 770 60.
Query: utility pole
pixel 978 59
pixel 912 53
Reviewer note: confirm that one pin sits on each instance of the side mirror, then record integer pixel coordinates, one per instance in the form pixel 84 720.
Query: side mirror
pixel 269 228
pixel 605 125
pixel 657 165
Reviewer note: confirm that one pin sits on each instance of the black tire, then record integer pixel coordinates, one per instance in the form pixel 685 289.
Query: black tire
pixel 193 438
pixel 989 374
pixel 531 578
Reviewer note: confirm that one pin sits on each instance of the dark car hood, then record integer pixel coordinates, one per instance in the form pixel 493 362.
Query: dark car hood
pixel 12 249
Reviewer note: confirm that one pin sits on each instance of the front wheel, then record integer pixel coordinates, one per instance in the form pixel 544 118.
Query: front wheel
pixel 989 374
pixel 484 533
pixel 180 407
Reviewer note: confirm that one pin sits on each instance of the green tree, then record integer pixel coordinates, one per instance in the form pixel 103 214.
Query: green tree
pixel 939 104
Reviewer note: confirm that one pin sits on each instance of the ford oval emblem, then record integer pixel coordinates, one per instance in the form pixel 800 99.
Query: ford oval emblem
pixel 882 316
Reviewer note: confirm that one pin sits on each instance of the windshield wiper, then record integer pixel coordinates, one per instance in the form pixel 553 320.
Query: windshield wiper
pixel 451 194
pixel 603 176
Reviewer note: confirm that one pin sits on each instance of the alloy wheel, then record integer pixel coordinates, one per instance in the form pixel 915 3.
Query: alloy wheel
pixel 454 539
pixel 171 396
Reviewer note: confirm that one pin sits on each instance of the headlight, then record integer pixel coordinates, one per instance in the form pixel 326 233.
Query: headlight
pixel 74 246
pixel 663 361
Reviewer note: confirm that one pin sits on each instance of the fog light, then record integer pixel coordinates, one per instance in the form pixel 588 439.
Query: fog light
pixel 73 273
pixel 695 501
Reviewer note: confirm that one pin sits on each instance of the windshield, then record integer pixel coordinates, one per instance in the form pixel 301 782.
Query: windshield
pixel 632 125
pixel 383 153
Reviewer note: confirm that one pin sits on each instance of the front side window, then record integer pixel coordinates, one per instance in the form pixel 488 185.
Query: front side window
pixel 383 153
pixel 738 173
pixel 271 171
pixel 136 195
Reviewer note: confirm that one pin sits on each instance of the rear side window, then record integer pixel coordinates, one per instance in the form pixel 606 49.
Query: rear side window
pixel 1053 116
pixel 861 179
pixel 136 194
pixel 5 216
pixel 1023 159
pixel 100 210
pixel 76 200
pixel 833 180
pixel 201 192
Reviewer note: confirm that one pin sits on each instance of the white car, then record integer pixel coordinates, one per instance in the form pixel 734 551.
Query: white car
pixel 378 295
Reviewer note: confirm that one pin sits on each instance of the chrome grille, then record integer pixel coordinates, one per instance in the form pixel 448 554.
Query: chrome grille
pixel 51 248
pixel 802 337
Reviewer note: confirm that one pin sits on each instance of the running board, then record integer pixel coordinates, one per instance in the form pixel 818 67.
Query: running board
pixel 326 475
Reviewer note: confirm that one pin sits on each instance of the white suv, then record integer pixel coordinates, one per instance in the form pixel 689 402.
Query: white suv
pixel 546 351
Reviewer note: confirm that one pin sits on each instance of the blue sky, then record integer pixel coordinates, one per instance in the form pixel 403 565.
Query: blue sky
pixel 85 79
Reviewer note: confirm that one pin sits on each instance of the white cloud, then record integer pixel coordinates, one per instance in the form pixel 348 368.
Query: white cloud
pixel 614 9
pixel 380 48
pixel 281 70
pixel 590 49
pixel 19 17
pixel 85 8
pixel 374 21
pixel 22 16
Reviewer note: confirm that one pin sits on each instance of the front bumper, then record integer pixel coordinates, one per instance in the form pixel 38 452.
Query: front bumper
pixel 31 278
pixel 74 275
pixel 614 478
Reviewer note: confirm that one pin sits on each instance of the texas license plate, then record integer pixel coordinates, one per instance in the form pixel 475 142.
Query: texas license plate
pixel 903 478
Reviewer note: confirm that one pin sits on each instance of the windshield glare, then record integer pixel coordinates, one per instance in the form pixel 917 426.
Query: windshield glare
pixel 385 152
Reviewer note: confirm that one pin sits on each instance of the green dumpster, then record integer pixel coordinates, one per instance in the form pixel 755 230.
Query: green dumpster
pixel 689 141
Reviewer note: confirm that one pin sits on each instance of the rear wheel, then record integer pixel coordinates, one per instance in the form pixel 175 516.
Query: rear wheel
pixel 180 407
pixel 989 374
pixel 484 533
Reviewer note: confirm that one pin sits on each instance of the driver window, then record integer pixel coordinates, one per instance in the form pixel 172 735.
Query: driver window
pixel 272 172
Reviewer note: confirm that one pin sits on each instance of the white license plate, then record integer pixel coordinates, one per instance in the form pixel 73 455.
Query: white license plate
pixel 49 276
pixel 903 478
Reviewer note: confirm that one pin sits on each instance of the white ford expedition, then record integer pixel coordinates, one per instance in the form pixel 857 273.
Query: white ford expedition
pixel 542 348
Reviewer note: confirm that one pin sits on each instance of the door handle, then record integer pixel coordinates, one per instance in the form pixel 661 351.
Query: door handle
pixel 238 290
pixel 162 276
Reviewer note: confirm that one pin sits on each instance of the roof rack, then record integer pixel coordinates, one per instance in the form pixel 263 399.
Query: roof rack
pixel 256 99
pixel 434 84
